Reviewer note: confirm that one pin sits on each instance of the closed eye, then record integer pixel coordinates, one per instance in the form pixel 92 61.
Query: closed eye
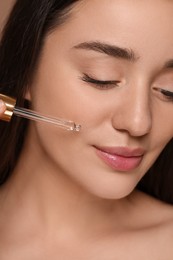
pixel 168 95
pixel 101 84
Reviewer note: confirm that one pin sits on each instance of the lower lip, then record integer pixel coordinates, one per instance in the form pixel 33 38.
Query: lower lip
pixel 118 162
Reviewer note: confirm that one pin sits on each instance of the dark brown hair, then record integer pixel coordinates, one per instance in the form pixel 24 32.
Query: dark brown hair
pixel 20 48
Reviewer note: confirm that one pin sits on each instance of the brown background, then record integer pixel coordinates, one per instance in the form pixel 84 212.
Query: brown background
pixel 5 6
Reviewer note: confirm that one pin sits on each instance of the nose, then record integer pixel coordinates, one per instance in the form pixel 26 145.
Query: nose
pixel 133 114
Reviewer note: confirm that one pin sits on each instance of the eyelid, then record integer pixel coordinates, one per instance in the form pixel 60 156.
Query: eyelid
pixel 167 94
pixel 164 91
pixel 93 80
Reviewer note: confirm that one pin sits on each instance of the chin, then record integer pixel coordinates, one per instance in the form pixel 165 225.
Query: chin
pixel 112 193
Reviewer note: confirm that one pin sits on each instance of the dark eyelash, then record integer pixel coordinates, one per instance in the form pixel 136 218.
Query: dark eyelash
pixel 100 83
pixel 168 94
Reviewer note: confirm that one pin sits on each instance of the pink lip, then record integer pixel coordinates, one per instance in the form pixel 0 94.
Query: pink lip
pixel 120 158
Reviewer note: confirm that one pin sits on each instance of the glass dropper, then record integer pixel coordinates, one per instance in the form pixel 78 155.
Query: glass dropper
pixel 32 115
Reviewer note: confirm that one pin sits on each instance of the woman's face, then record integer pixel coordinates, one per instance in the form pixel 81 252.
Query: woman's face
pixel 109 67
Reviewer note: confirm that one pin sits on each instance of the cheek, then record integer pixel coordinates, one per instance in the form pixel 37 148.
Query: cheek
pixel 60 146
pixel 162 123
pixel 59 95
pixel 161 134
pixel 69 101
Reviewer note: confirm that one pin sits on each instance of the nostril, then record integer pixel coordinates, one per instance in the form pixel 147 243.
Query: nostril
pixel 136 123
pixel 140 125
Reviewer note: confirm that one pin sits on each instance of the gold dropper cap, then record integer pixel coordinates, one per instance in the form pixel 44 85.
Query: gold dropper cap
pixel 10 104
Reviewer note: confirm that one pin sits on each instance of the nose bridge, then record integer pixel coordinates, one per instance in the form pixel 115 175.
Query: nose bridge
pixel 136 116
pixel 140 113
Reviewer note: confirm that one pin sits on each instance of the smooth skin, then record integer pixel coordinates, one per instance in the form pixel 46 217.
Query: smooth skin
pixel 62 201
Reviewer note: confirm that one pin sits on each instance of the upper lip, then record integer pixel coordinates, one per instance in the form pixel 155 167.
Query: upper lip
pixel 122 151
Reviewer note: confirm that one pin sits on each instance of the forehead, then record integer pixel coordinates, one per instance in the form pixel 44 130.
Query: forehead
pixel 112 17
pixel 145 26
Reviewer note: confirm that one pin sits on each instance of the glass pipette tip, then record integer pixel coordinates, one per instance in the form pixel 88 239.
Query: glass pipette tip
pixel 32 115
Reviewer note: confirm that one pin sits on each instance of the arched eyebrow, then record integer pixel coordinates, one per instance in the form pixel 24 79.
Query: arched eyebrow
pixel 115 51
pixel 108 49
